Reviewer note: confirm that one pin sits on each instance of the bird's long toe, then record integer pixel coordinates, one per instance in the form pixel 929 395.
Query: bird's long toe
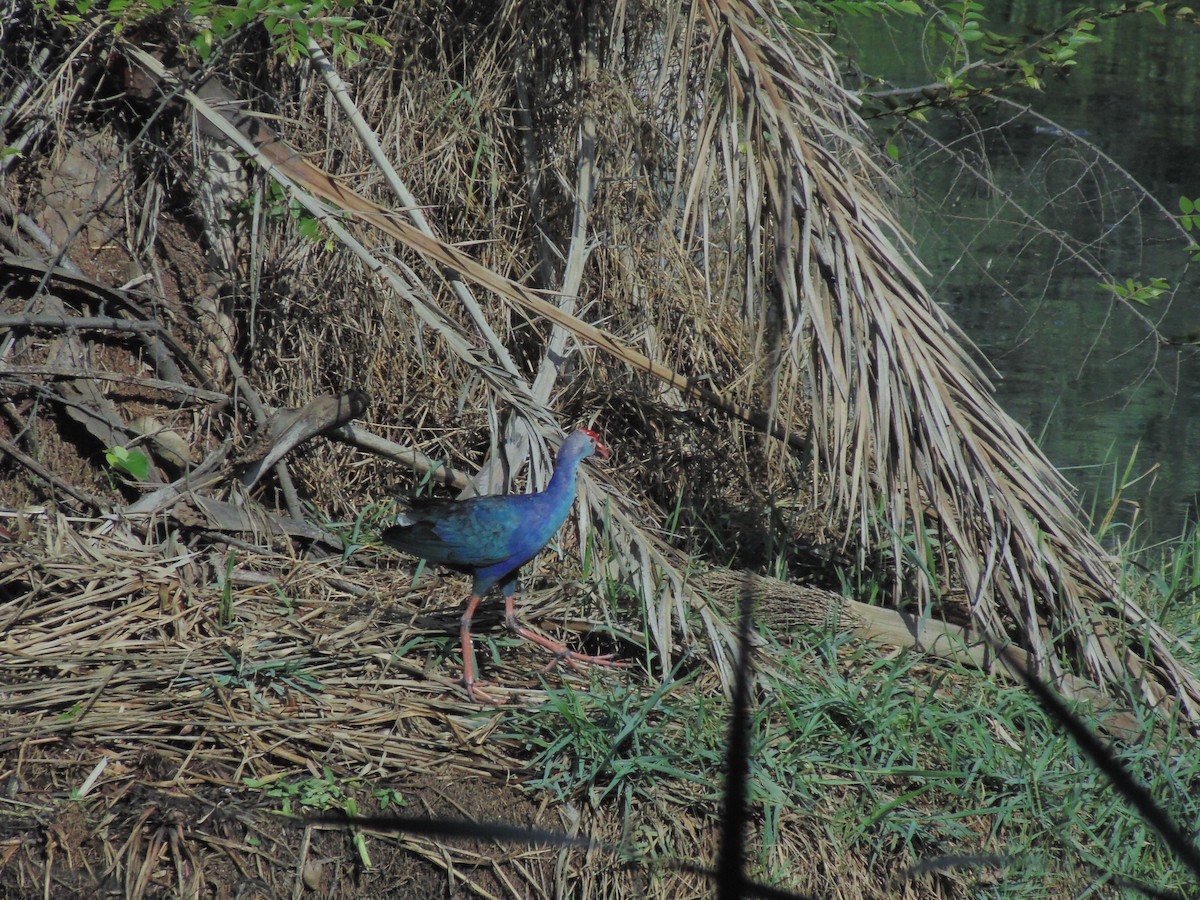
pixel 475 691
pixel 561 652
pixel 580 661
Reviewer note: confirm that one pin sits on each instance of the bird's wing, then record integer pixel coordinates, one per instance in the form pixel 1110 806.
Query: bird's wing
pixel 473 533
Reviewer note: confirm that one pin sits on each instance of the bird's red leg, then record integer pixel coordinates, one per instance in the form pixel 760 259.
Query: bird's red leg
pixel 468 655
pixel 560 651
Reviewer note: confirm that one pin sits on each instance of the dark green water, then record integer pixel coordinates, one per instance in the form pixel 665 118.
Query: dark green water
pixel 1020 209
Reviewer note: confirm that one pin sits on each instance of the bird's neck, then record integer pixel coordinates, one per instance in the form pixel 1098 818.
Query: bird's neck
pixel 562 482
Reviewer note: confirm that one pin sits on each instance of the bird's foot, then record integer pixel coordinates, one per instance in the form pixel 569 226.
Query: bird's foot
pixel 475 691
pixel 562 653
pixel 580 661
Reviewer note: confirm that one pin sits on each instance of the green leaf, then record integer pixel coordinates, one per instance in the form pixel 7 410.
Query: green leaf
pixel 1187 205
pixel 309 228
pixel 893 151
pixel 132 462
pixel 203 44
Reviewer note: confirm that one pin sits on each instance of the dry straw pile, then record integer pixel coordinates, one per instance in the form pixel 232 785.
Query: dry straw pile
pixel 662 222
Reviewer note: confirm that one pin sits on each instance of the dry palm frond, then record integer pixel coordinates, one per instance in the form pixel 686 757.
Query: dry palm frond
pixel 903 415
pixel 311 184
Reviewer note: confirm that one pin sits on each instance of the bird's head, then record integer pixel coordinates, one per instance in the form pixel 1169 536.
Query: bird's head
pixel 583 443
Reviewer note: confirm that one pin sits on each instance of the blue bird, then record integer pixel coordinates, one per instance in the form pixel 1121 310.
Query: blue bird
pixel 490 538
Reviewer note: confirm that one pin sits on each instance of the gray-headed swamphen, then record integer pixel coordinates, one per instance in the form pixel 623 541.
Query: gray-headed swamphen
pixel 490 538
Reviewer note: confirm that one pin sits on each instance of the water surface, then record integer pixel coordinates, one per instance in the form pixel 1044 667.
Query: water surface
pixel 1022 208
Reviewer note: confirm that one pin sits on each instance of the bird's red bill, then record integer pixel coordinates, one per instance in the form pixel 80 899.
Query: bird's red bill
pixel 600 448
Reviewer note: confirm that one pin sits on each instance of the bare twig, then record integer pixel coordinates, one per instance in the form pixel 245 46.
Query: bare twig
pixel 289 428
pixel 164 348
pixel 79 323
pixel 373 443
pixel 48 371
pixel 208 473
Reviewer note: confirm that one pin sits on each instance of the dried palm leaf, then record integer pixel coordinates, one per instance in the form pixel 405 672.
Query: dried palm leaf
pixel 903 415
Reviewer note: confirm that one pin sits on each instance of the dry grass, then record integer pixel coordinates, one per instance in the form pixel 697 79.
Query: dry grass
pixel 142 690
pixel 154 697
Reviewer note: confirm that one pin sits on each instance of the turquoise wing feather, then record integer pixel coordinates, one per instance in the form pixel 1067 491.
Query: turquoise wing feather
pixel 469 534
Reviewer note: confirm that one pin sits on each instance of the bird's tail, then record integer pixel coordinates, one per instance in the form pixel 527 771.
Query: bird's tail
pixel 405 512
